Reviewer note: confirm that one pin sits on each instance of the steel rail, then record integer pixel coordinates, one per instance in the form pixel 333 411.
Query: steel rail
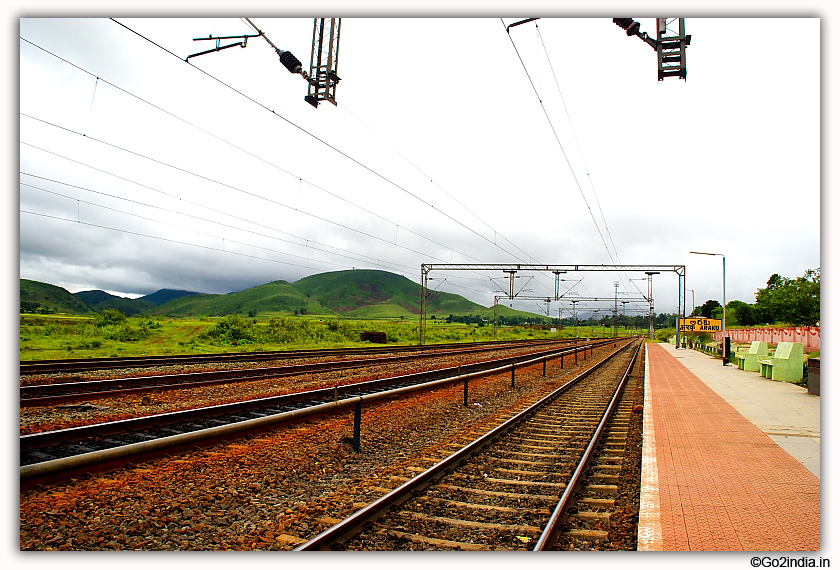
pixel 47 469
pixel 79 433
pixel 87 364
pixel 56 393
pixel 548 538
pixel 351 525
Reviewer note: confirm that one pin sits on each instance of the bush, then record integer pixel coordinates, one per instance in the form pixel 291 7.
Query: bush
pixel 123 333
pixel 110 317
pixel 662 335
pixel 230 328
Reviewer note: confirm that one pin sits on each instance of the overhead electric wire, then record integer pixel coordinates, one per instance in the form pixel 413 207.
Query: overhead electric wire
pixel 204 206
pixel 163 239
pixel 322 141
pixel 255 156
pixel 425 175
pixel 213 209
pixel 284 205
pixel 306 245
pixel 379 263
pixel 320 218
pixel 577 142
pixel 173 115
pixel 580 151
pixel 224 239
pixel 557 138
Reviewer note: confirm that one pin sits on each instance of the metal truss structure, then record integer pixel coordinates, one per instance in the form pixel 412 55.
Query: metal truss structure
pixel 511 269
pixel 323 63
pixel 671 42
pixel 574 300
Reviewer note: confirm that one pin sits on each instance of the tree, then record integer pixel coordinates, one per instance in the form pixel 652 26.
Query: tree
pixel 792 301
pixel 110 317
pixel 708 308
pixel 740 313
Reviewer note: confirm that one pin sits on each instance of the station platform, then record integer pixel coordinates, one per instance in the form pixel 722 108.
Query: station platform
pixel 714 475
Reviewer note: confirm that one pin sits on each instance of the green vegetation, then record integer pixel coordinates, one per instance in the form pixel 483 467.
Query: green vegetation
pixel 110 334
pixel 100 301
pixel 113 334
pixel 275 298
pixel 783 302
pixel 362 294
pixel 793 301
pixel 44 299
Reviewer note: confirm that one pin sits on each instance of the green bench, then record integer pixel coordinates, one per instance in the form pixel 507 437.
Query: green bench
pixel 748 360
pixel 786 364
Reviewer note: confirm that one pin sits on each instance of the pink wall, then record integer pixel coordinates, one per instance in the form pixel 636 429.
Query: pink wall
pixel 808 336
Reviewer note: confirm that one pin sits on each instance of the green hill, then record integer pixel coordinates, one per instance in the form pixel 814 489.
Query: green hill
pixel 369 293
pixel 359 293
pixel 100 300
pixel 162 296
pixel 37 297
pixel 274 297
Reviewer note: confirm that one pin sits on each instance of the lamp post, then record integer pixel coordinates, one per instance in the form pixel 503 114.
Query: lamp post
pixel 651 333
pixel 725 350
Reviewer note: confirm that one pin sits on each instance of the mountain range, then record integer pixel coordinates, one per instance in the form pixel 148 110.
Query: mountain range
pixel 359 293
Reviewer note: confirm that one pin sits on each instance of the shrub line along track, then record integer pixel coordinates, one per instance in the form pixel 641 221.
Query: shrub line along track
pixel 190 427
pixel 51 393
pixel 427 491
pixel 88 364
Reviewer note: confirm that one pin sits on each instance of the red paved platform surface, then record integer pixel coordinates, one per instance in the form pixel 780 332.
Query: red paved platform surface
pixel 723 483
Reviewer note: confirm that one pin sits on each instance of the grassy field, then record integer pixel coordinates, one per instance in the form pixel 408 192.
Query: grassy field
pixel 46 337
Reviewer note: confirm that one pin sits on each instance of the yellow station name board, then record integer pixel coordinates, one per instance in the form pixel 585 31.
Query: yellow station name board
pixel 699 325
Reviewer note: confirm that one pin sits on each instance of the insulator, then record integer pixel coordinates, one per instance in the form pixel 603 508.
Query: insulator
pixel 629 24
pixel 289 61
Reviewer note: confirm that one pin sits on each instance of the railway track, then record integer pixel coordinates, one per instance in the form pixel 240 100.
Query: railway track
pixel 510 489
pixel 52 393
pixel 595 517
pixel 56 455
pixel 90 364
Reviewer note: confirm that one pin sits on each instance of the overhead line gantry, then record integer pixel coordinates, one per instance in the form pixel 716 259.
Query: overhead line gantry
pixel 512 268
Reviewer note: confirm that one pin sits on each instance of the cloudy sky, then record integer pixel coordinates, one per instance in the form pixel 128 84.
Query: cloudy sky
pixel 452 142
pixel 216 175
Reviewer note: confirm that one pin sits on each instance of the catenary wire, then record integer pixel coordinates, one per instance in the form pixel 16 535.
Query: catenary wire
pixel 370 259
pixel 259 158
pixel 580 150
pixel 204 206
pixel 338 151
pixel 379 262
pixel 425 175
pixel 195 218
pixel 557 138
pixel 162 239
pixel 435 182
pixel 224 239
pixel 320 218
pixel 577 143
pixel 322 141
pixel 223 140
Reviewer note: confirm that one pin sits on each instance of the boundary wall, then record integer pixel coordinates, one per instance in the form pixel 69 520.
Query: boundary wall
pixel 808 336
